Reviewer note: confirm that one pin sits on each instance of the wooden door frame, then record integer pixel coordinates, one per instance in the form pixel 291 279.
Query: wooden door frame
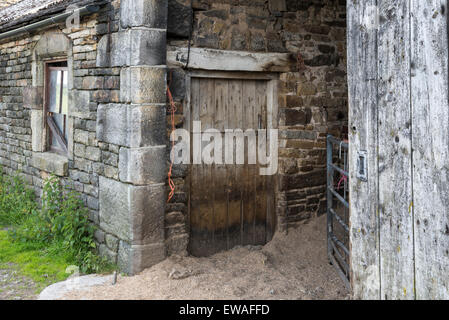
pixel 272 121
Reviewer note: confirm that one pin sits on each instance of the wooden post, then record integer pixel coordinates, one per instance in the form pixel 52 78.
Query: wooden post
pixel 399 114
pixel 395 165
pixel 362 77
pixel 430 144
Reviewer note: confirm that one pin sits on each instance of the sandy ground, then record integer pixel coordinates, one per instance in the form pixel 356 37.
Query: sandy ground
pixel 292 266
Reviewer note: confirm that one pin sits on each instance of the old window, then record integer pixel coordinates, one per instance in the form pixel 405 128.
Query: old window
pixel 56 106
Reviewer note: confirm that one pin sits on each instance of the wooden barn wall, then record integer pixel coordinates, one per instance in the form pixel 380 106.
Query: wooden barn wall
pixel 399 114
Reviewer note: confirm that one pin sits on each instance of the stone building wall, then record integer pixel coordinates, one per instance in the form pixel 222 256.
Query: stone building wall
pixel 116 104
pixel 91 86
pixel 312 97
pixel 119 153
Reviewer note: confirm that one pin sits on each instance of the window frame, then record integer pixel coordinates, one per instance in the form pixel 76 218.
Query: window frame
pixel 49 123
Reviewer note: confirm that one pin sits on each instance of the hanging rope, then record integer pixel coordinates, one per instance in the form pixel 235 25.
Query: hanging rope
pixel 344 179
pixel 172 110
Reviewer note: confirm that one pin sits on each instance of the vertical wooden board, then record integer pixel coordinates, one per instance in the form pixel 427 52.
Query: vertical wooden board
pixel 248 110
pixel 235 172
pixel 221 174
pixel 207 106
pixel 202 216
pixel 235 107
pixel 234 188
pixel 272 123
pixel 362 86
pixel 249 105
pixel 261 185
pixel 395 165
pixel 221 104
pixel 248 205
pixel 430 123
pixel 221 209
pixel 186 105
pixel 202 180
pixel 195 105
pixel 261 103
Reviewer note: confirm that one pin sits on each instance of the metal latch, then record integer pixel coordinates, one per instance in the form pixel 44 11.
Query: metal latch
pixel 362 166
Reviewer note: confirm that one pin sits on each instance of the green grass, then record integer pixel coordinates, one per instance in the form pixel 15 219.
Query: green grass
pixel 41 242
pixel 32 261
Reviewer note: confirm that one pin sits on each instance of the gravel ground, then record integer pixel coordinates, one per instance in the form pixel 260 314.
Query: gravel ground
pixel 292 266
pixel 16 287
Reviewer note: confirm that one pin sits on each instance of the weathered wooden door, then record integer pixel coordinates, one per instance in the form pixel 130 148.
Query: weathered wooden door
pixel 229 204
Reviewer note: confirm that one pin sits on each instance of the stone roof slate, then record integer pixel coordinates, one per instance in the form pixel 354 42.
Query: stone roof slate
pixel 28 11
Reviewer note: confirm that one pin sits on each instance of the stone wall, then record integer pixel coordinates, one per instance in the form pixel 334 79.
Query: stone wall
pixel 312 98
pixel 132 204
pixel 118 159
pixel 117 95
pixel 91 86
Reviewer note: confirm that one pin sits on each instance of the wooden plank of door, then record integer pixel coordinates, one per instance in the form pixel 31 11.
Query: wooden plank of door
pixel 249 187
pixel 195 106
pixel 221 104
pixel 261 185
pixel 430 114
pixel 201 201
pixel 207 103
pixel 236 171
pixel 220 188
pixel 395 165
pixel 271 123
pixel 363 108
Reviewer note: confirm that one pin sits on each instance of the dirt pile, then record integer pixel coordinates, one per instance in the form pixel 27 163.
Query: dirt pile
pixel 292 266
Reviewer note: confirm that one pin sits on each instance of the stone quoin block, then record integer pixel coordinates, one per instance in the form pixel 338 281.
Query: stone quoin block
pixel 134 214
pixel 103 56
pixel 120 49
pixel 143 84
pixel 132 47
pixel 142 166
pixel 132 259
pixel 131 126
pixel 143 13
pixel 148 47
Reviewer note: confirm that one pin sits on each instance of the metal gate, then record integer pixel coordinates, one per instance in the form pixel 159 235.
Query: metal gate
pixel 338 207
